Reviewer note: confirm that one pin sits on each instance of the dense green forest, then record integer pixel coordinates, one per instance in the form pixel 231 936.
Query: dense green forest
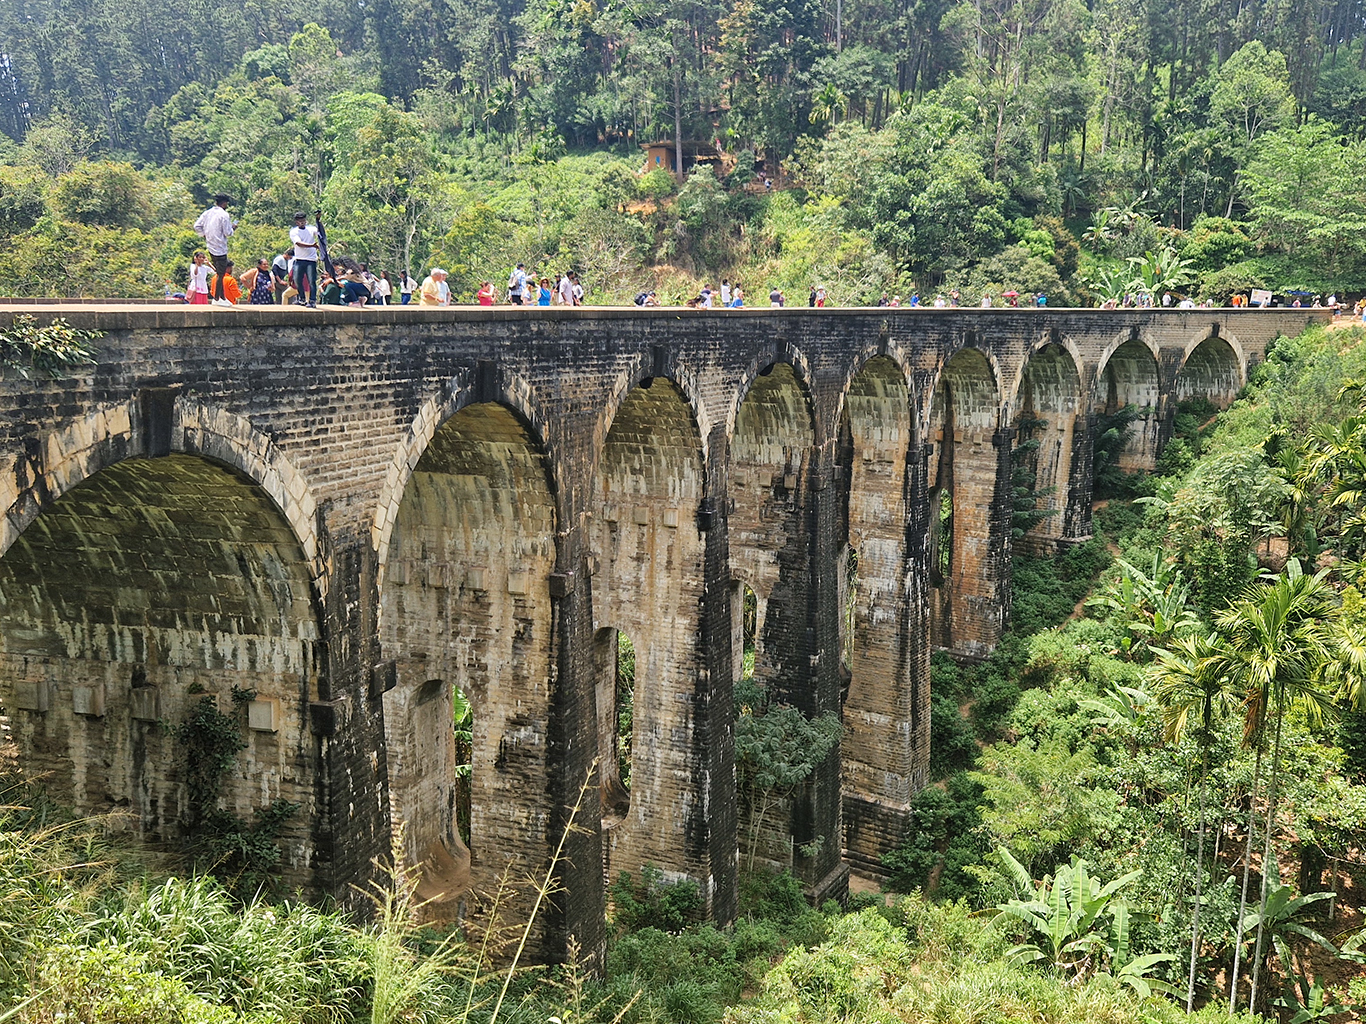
pixel 1085 149
pixel 1151 797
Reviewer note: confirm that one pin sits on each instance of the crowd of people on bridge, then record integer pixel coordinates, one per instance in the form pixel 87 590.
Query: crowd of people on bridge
pixel 293 277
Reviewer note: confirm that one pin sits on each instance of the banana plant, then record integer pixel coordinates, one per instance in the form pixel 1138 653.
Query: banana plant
pixel 1305 1001
pixel 1073 921
pixel 1284 915
pixel 1153 606
pixel 1129 970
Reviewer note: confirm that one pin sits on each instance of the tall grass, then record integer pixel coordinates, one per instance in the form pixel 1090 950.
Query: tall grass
pixel 81 942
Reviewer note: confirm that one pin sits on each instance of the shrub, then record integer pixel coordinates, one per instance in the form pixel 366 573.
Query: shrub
pixel 845 978
pixel 942 838
pixel 654 902
pixel 106 985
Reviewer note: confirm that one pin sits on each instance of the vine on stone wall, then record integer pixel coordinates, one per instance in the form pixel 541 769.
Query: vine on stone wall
pixel 245 854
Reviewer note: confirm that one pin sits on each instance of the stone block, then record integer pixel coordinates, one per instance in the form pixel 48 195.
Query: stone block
pixel 145 703
pixel 263 714
pixel 88 700
pixel 33 695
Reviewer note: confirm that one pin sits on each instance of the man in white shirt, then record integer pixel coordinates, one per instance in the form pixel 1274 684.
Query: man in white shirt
pixel 281 275
pixel 566 290
pixel 517 285
pixel 216 226
pixel 305 238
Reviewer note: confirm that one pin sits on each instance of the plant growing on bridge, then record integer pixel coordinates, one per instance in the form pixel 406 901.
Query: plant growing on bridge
pixel 29 350
pixel 776 750
pixel 247 853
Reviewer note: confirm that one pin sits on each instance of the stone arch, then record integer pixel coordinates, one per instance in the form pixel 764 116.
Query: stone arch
pixel 643 371
pixel 466 604
pixel 111 433
pixel 771 503
pixel 1128 387
pixel 965 459
pixel 1047 404
pixel 770 528
pixel 762 365
pixel 649 580
pixel 1212 368
pixel 136 593
pixel 893 356
pixel 987 368
pixel 471 386
pixel 885 753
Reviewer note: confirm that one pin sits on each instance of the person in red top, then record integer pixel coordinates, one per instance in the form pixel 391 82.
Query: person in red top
pixel 486 295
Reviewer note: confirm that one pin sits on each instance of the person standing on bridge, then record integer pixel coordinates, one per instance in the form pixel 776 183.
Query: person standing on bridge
pixel 197 287
pixel 280 274
pixel 216 227
pixel 305 238
pixel 430 294
pixel 517 285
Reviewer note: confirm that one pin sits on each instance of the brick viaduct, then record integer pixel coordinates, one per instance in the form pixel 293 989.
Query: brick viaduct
pixel 352 512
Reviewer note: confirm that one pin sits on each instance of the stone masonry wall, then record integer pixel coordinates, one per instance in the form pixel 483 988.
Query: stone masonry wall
pixel 466 604
pixel 322 419
pixel 136 594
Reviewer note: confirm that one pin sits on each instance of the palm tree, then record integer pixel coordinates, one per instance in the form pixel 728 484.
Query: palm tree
pixel 1276 643
pixel 1303 480
pixel 1188 683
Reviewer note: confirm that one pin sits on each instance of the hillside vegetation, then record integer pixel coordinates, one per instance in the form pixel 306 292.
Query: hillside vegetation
pixel 1084 150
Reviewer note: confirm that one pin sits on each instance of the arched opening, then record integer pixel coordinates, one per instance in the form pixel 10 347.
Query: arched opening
pixel 1211 373
pixel 1127 421
pixel 1045 425
pixel 154 590
pixel 941 536
pixel 770 458
pixel 465 614
pixel 615 661
pixel 770 525
pixel 967 610
pixel 462 721
pixel 648 582
pixel 885 751
pixel 746 614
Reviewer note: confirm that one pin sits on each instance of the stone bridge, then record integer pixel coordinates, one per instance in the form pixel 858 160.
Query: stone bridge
pixel 348 514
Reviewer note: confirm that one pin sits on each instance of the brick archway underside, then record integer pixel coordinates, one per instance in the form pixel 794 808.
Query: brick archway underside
pixel 466 605
pixel 139 592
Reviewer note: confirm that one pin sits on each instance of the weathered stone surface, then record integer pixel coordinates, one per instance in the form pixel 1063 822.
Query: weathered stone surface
pixel 355 512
